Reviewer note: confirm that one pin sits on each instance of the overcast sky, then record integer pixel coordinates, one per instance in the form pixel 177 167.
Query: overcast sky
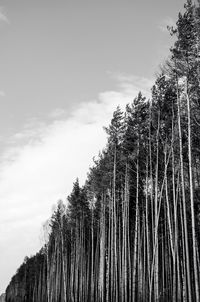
pixel 64 67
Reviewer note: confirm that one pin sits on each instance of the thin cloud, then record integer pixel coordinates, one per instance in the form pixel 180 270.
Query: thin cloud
pixel 132 84
pixel 57 113
pixel 2 93
pixel 42 162
pixel 3 16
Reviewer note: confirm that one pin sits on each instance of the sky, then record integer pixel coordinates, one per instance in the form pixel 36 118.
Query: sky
pixel 65 66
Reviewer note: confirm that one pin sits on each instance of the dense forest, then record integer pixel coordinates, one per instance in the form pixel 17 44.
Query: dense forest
pixel 132 232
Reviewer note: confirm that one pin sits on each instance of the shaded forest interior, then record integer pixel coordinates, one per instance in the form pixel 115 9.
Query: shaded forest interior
pixel 132 232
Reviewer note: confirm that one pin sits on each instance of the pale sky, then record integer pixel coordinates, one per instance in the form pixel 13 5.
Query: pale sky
pixel 64 67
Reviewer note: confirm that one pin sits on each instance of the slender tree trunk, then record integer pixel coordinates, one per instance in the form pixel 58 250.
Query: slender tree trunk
pixel 63 263
pixel 147 227
pixel 102 254
pixel 192 201
pixel 116 289
pixel 184 201
pixel 136 229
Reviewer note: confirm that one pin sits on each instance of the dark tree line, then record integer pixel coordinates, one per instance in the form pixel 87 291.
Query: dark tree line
pixel 132 232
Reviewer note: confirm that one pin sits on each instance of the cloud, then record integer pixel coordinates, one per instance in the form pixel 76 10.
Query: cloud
pixel 42 163
pixel 2 93
pixel 3 16
pixel 132 84
pixel 57 113
pixel 168 21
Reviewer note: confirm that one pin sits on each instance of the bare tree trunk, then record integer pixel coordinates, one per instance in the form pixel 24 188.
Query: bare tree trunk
pixel 183 262
pixel 116 289
pixel 192 201
pixel 63 262
pixel 147 227
pixel 136 229
pixel 102 253
pixel 184 201
pixel 92 256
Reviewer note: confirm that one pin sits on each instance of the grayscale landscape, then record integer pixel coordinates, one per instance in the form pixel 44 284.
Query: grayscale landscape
pixel 99 151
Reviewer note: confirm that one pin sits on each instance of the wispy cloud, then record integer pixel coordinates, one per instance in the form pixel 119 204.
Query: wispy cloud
pixel 57 113
pixel 44 159
pixel 132 84
pixel 3 16
pixel 2 93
